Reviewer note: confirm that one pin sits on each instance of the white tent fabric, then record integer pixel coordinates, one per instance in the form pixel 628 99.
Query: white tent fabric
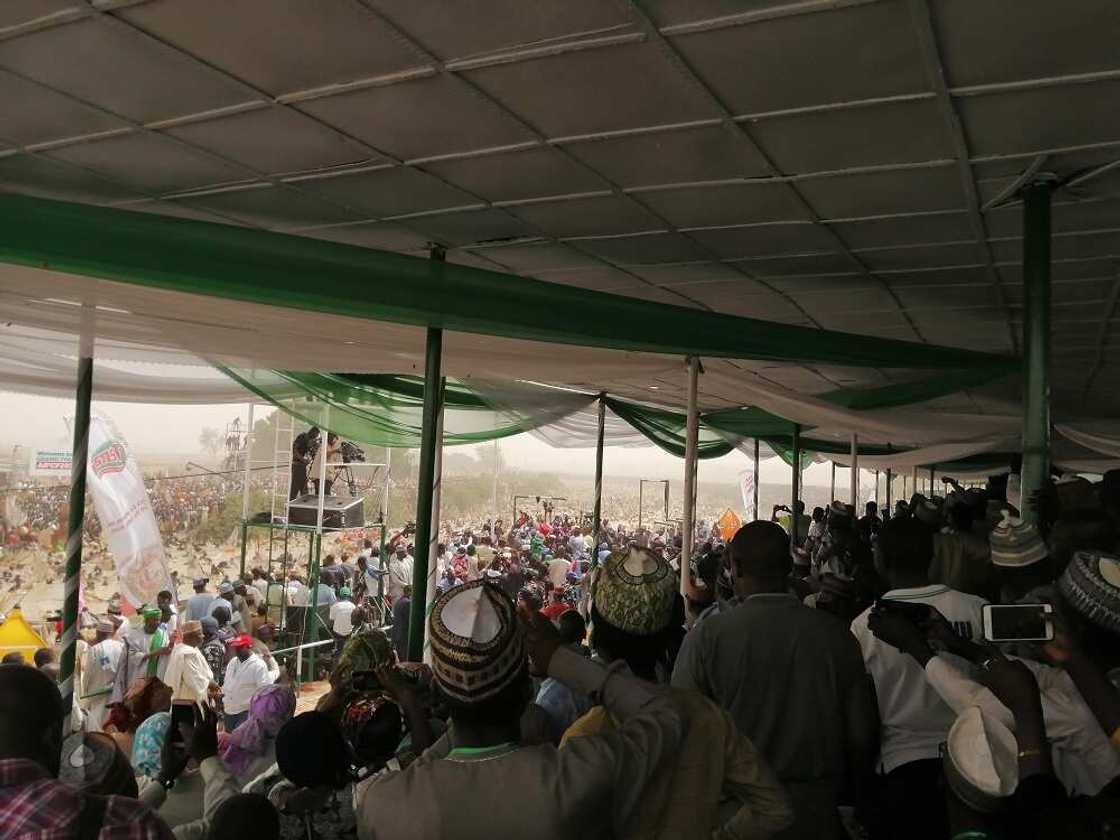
pixel 1097 437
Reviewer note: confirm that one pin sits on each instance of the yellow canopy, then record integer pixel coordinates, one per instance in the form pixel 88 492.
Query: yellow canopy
pixel 17 635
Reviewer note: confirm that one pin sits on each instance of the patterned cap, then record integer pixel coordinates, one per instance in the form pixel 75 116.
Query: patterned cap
pixel 477 646
pixel 635 591
pixel 1016 543
pixel 1091 585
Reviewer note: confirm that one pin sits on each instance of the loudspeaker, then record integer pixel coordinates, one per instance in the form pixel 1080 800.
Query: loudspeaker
pixel 338 512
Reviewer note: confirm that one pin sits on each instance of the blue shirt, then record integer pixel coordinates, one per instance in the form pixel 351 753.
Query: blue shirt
pixel 198 606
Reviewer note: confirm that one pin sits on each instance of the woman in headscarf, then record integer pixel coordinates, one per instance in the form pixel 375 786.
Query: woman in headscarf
pixel 251 749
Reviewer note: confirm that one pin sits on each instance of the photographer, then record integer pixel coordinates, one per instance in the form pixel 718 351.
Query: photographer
pixel 304 447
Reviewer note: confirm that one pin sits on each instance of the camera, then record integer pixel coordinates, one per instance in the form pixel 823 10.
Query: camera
pixel 351 453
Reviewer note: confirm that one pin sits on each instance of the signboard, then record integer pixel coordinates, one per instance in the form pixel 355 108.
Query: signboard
pixel 50 462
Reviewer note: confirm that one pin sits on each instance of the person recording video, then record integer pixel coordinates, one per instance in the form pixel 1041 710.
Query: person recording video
pixel 303 449
pixel 331 453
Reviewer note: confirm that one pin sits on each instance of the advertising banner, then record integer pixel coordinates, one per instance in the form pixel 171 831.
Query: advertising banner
pixel 128 522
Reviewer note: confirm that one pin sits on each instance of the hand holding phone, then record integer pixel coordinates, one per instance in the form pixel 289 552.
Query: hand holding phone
pixel 1018 622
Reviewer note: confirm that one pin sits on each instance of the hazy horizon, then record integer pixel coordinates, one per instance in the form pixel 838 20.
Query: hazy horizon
pixel 172 431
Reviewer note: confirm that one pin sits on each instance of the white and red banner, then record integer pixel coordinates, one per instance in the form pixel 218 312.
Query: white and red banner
pixel 128 522
pixel 746 487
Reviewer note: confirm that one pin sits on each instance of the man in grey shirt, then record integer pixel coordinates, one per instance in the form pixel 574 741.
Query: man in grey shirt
pixel 792 679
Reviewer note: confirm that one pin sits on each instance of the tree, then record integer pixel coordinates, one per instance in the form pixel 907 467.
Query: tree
pixel 210 440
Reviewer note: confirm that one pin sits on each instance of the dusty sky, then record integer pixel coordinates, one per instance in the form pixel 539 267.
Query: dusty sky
pixel 174 430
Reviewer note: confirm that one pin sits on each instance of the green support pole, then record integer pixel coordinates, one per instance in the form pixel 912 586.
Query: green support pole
pixel 1036 342
pixel 419 608
pixel 796 484
pixel 74 530
pixel 244 539
pixel 598 521
pixel 315 546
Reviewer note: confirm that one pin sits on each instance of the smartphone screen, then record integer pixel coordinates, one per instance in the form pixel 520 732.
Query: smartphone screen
pixel 1017 622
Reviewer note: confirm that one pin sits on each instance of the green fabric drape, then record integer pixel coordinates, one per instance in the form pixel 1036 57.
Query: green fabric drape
pixel 237 263
pixel 666 429
pixel 384 415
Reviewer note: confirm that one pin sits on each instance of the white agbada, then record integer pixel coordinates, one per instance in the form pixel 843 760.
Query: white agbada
pixel 99 674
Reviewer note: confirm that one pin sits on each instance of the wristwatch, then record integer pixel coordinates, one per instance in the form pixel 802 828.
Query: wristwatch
pixel 166 784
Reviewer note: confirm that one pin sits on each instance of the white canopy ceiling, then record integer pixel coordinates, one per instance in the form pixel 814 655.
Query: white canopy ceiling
pixel 846 164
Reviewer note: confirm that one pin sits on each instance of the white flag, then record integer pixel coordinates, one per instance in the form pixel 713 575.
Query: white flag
pixel 127 519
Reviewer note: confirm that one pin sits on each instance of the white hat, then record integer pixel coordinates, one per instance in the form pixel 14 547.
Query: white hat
pixel 981 760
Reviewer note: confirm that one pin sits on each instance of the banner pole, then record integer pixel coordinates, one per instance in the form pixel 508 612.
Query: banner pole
pixel 76 523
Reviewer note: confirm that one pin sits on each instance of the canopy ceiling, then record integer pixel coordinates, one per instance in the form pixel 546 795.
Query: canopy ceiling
pixel 834 164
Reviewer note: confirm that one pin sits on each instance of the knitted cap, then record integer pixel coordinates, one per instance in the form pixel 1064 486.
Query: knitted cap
pixel 1091 585
pixel 477 646
pixel 1016 543
pixel 635 591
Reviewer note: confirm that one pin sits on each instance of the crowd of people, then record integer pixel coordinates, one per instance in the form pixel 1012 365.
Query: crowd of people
pixel 850 682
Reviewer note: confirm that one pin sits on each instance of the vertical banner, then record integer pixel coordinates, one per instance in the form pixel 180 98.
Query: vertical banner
pixel 746 488
pixel 127 519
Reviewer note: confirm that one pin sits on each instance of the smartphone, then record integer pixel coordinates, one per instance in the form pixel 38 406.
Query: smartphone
pixel 1018 622
pixel 915 611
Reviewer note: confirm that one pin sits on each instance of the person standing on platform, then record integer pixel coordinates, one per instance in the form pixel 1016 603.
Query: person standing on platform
pixel 302 447
pixel 331 453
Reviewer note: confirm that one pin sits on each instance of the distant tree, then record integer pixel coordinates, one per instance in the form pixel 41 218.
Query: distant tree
pixel 210 439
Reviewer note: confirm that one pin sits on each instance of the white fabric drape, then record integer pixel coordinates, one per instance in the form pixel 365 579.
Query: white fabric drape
pixel 1097 437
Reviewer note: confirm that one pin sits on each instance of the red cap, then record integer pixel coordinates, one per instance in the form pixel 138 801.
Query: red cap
pixel 241 641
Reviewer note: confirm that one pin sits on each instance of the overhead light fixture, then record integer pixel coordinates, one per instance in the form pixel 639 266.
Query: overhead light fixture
pixel 654 387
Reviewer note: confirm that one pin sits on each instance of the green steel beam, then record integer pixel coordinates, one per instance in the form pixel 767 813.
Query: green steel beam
pixel 419 608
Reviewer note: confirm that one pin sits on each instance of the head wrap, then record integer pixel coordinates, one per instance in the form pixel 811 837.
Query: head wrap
pixel 93 763
pixel 1016 543
pixel 225 588
pixel 344 592
pixel 370 743
pixel 148 611
pixel 192 628
pixel 1091 585
pixel 147 743
pixel 209 626
pixel 477 646
pixel 106 627
pixel 635 592
pixel 364 651
pixel 269 709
